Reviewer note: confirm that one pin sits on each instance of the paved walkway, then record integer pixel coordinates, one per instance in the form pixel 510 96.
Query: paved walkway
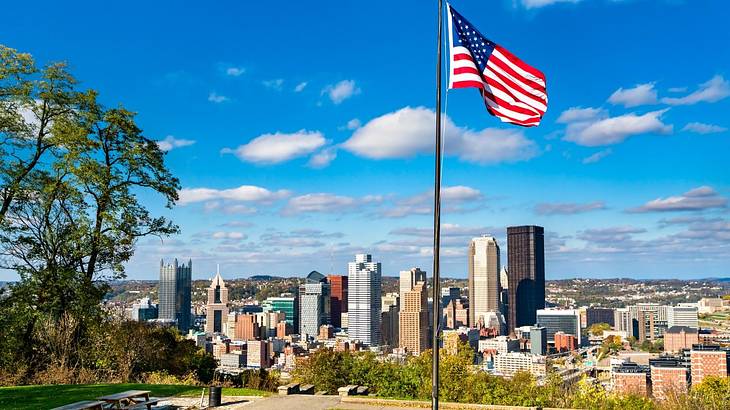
pixel 293 402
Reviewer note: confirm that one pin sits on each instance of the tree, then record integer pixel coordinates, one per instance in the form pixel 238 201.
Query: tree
pixel 597 329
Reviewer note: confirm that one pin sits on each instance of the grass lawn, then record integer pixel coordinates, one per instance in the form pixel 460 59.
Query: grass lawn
pixel 49 396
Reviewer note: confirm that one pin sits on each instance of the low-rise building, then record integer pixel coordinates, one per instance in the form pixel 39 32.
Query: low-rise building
pixel 677 338
pixel 508 364
pixel 708 360
pixel 630 378
pixel 669 378
pixel 233 360
pixel 499 344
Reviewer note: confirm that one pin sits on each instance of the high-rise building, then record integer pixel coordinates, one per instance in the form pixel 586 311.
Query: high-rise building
pixel 646 325
pixel 314 304
pixel 624 321
pixel 286 304
pixel 409 278
pixel 456 314
pixel 560 320
pixel 389 324
pixel 338 298
pixel 449 294
pixel 413 321
pixel 247 328
pixel 600 315
pixel 682 316
pixel 363 300
pixel 526 274
pixel 216 311
pixel 484 275
pixel 538 340
pixel 144 310
pixel 175 293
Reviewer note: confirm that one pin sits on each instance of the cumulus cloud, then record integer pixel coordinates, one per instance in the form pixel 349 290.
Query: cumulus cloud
pixel 612 235
pixel 593 127
pixel 278 147
pixel 325 203
pixel 217 98
pixel 713 90
pixel 300 87
pixel 701 128
pixel 235 71
pixel 353 124
pixel 323 158
pixel 453 199
pixel 534 4
pixel 591 159
pixel 409 132
pixel 631 97
pixel 568 208
pixel 244 193
pixel 170 143
pixel 696 199
pixel 275 84
pixel 341 91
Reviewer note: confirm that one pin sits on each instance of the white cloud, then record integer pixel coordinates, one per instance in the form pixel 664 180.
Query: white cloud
pixel 410 131
pixel 217 98
pixel 593 127
pixel 321 202
pixel 452 198
pixel 235 71
pixel 341 91
pixel 244 193
pixel 353 124
pixel 701 128
pixel 534 4
pixel 227 235
pixel 696 199
pixel 716 89
pixel 300 87
pixel 278 147
pixel 170 142
pixel 568 208
pixel 631 97
pixel 323 157
pixel 275 84
pixel 591 159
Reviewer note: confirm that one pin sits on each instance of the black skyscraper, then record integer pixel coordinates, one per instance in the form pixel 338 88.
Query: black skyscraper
pixel 526 274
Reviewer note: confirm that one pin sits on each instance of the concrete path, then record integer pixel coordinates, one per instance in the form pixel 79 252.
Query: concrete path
pixel 296 402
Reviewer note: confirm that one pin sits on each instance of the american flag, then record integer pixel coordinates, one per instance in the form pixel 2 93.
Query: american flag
pixel 513 91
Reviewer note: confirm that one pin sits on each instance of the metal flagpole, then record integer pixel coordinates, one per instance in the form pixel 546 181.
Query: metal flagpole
pixel 437 223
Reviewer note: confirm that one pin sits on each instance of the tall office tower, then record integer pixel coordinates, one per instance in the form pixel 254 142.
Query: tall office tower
pixel 216 311
pixel 174 293
pixel 314 304
pixel 526 274
pixel 409 279
pixel 600 315
pixel 682 316
pixel 363 300
pixel 338 298
pixel 504 294
pixel 449 294
pixel 484 288
pixel 285 303
pixel 413 318
pixel 560 320
pixel 247 328
pixel 390 305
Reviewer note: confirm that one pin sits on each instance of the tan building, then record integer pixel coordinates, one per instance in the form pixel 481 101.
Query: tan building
pixel 630 378
pixel 457 314
pixel 668 380
pixel 646 325
pixel 217 306
pixel 258 354
pixel 677 338
pixel 281 329
pixel 246 327
pixel 326 332
pixel 708 360
pixel 484 278
pixel 451 339
pixel 413 320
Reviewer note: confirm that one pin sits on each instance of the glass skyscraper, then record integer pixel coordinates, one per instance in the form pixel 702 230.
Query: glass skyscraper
pixel 174 293
pixel 364 303
pixel 526 275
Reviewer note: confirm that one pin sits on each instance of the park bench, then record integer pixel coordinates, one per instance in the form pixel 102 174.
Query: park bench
pixel 83 405
pixel 291 388
pixel 348 390
pixel 306 389
pixel 132 400
pixel 362 390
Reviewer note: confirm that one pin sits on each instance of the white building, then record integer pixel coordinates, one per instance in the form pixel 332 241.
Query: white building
pixel 500 344
pixel 510 363
pixel 364 304
pixel 682 316
pixel 409 279
pixel 484 279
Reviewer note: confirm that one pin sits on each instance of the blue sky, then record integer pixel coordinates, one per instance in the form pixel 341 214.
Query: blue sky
pixel 302 133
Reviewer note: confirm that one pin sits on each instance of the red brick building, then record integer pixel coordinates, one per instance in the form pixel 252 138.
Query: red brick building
pixel 677 338
pixel 565 342
pixel 338 298
pixel 631 378
pixel 708 360
pixel 246 327
pixel 669 378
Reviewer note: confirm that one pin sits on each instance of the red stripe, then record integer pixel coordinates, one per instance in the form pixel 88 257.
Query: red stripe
pixel 487 95
pixel 466 70
pixel 519 63
pixel 530 123
pixel 507 104
pixel 467 84
pixel 495 84
pixel 462 56
pixel 501 64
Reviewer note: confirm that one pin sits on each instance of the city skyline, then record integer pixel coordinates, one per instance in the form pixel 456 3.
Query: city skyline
pixel 284 172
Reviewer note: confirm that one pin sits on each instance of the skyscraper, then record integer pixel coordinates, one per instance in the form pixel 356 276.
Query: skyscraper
pixel 174 293
pixel 413 332
pixel 314 304
pixel 484 269
pixel 216 311
pixel 409 278
pixel 526 274
pixel 338 298
pixel 364 281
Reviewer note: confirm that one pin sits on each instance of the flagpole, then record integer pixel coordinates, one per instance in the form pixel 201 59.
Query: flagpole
pixel 437 223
